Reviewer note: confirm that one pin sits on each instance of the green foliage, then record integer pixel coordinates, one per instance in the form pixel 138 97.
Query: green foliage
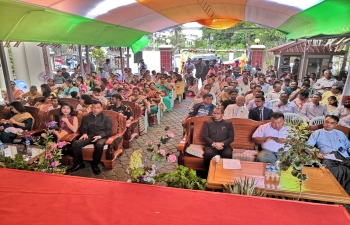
pixel 300 153
pixel 99 56
pixel 16 163
pixel 243 33
pixel 244 187
pixel 11 59
pixel 200 44
pixel 183 177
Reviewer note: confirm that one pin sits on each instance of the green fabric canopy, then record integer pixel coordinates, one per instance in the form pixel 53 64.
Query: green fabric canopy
pixel 21 22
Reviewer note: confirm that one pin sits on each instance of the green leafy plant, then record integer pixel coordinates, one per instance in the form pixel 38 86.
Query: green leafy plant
pixel 183 177
pixel 50 161
pixel 14 163
pixel 244 186
pixel 300 153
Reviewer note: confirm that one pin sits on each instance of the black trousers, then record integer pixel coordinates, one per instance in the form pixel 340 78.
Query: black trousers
pixel 210 152
pixel 78 153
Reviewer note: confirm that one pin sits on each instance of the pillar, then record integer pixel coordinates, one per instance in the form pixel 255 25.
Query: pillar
pixel 2 80
pixel 36 65
pixel 165 56
pixel 257 54
pixel 20 62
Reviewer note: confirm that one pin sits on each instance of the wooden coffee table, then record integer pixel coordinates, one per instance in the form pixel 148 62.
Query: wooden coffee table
pixel 320 185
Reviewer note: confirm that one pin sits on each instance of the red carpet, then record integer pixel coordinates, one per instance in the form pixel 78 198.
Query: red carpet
pixel 38 198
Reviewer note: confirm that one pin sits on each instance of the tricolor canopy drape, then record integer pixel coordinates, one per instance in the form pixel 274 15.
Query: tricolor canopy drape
pixel 125 22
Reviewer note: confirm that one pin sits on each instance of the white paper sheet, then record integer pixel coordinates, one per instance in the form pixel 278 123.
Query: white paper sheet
pixel 332 157
pixel 8 152
pixel 231 164
pixel 250 152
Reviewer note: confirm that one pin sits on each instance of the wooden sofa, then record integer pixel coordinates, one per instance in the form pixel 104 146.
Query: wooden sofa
pixel 243 131
pixel 113 146
pixel 72 101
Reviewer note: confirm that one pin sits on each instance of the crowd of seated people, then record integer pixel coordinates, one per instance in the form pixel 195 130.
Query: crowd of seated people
pixel 281 94
pixel 146 89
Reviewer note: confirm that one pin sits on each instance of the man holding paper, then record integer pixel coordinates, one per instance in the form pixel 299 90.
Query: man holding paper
pixel 218 135
pixel 334 149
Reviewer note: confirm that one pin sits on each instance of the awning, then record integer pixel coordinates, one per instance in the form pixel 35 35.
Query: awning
pixel 124 22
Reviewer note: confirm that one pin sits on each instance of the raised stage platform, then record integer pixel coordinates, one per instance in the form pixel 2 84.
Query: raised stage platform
pixel 39 198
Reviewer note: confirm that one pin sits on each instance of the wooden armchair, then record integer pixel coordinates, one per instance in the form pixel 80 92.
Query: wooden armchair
pixel 37 99
pixel 113 146
pixel 4 112
pixel 132 130
pixel 243 131
pixel 72 101
pixel 39 122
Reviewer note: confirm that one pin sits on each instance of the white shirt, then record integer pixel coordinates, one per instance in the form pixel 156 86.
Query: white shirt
pixel 272 95
pixel 290 107
pixel 265 131
pixel 234 111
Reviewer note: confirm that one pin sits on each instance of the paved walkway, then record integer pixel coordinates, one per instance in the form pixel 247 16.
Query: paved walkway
pixel 172 119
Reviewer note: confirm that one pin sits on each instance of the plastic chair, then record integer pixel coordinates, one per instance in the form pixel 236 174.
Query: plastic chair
pixel 293 118
pixel 317 120
pixel 146 120
pixel 158 114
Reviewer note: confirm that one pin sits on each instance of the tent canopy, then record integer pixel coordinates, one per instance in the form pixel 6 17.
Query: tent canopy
pixel 125 22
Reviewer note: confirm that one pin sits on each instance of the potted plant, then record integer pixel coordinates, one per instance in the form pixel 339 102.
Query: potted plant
pixel 48 162
pixel 183 177
pixel 244 186
pixel 300 153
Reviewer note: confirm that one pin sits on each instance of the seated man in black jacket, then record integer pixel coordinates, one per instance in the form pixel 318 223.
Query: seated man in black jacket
pixel 218 135
pixel 260 112
pixel 119 107
pixel 95 128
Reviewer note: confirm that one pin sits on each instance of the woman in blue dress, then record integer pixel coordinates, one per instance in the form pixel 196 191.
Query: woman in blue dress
pixel 166 89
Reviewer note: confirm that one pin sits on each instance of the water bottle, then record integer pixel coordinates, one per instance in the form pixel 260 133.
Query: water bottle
pixel 28 149
pixel 273 173
pixel 267 173
pixel 2 150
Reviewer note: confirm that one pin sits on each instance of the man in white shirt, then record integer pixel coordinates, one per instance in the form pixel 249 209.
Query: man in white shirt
pixel 314 108
pixel 106 66
pixel 264 86
pixel 245 85
pixel 271 136
pixel 275 93
pixel 237 110
pixel 284 106
pixel 325 84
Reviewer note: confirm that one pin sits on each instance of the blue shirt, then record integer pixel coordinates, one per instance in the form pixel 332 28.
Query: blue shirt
pixel 202 111
pixel 329 141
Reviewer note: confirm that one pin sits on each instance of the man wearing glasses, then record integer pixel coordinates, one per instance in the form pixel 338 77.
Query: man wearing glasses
pixel 17 93
pixel 333 142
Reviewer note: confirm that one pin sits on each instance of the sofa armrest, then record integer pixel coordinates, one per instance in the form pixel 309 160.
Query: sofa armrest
pixel 70 137
pixel 111 139
pixel 30 133
pixel 183 144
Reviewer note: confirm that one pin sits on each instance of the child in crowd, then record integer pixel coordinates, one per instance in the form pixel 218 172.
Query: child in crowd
pixel 332 104
pixel 55 104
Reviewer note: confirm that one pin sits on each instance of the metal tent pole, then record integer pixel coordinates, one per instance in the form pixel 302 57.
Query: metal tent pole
pixel 5 70
pixel 121 61
pixel 81 61
pixel 127 58
pixel 87 59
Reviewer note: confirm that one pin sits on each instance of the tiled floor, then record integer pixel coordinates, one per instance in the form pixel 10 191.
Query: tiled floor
pixel 172 119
